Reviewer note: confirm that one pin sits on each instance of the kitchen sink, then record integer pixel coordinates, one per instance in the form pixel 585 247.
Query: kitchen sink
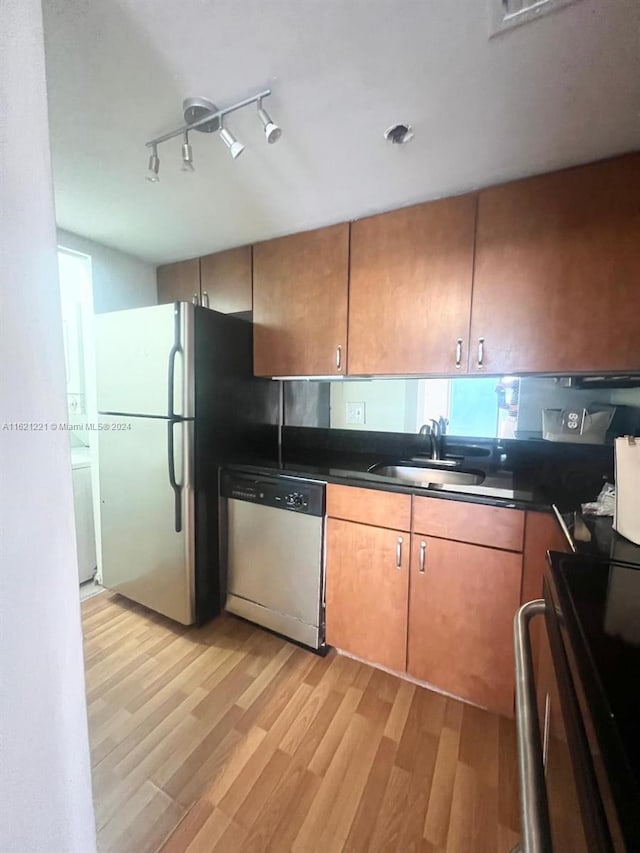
pixel 424 475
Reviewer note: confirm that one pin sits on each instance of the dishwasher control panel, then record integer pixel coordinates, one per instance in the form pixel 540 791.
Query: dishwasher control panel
pixel 279 492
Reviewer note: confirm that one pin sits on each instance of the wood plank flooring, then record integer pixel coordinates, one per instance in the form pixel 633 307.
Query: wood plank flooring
pixel 227 738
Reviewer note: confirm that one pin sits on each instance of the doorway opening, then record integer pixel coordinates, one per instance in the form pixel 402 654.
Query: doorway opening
pixel 76 297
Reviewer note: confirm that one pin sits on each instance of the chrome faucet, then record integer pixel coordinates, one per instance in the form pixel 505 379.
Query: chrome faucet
pixel 433 430
pixel 436 438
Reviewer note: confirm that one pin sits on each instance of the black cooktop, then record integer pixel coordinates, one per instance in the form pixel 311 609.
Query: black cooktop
pixel 600 603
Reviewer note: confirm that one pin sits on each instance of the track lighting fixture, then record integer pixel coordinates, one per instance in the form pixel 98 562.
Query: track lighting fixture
pixel 271 130
pixel 187 154
pixel 203 115
pixel 154 166
pixel 235 147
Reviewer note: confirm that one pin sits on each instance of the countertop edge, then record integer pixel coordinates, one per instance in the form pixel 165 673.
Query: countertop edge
pixel 377 485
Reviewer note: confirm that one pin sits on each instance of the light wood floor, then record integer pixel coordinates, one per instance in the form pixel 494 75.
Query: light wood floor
pixel 229 739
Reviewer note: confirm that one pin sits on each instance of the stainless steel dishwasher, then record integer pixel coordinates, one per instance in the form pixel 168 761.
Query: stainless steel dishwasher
pixel 273 550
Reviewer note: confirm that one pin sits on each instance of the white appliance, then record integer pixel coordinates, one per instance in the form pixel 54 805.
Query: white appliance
pixel 83 509
pixel 627 513
pixel 176 395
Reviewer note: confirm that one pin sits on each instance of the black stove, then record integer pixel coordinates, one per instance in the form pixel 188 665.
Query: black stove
pixel 597 605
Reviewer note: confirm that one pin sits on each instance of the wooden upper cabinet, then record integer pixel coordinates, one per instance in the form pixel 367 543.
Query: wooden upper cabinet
pixel 225 280
pixel 300 286
pixel 557 272
pixel 410 289
pixel 179 282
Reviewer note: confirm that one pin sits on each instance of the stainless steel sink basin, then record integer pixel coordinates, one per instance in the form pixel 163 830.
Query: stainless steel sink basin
pixel 424 476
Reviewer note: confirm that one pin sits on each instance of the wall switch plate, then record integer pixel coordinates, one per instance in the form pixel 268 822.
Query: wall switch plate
pixel 355 413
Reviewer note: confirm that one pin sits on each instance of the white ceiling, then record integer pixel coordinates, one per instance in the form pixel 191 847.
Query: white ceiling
pixel 562 90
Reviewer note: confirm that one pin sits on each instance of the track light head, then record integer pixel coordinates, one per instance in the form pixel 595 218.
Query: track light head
pixel 154 166
pixel 187 155
pixel 271 130
pixel 236 148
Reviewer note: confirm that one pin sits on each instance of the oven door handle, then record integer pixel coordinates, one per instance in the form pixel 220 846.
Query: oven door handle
pixel 534 815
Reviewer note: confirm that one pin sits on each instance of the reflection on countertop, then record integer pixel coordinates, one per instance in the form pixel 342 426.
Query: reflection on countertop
pixel 598 602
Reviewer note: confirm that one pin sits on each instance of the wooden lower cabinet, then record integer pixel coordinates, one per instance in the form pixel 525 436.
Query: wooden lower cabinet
pixel 367 588
pixel 462 601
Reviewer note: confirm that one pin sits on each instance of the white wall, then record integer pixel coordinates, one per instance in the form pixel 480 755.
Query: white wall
pixel 45 779
pixel 385 402
pixel 119 280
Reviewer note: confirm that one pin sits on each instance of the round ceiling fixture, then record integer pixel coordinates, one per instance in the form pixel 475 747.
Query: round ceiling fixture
pixel 197 108
pixel 399 134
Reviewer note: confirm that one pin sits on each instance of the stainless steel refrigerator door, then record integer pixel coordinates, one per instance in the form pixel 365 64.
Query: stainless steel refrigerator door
pixel 140 354
pixel 143 556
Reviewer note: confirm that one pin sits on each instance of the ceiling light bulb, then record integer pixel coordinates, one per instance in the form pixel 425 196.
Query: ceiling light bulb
pixel 271 130
pixel 236 148
pixel 187 155
pixel 154 166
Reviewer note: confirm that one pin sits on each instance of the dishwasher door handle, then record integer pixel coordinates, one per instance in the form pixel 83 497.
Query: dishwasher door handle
pixel 534 815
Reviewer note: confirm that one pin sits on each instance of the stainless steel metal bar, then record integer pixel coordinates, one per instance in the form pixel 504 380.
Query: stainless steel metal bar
pixel 534 817
pixel 564 528
pixel 480 352
pixel 458 353
pixel 399 553
pixel 207 118
pixel 422 558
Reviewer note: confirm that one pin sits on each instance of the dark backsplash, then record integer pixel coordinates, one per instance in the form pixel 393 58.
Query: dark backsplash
pixel 575 471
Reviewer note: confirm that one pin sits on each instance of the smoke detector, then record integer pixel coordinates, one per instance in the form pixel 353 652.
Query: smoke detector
pixel 399 134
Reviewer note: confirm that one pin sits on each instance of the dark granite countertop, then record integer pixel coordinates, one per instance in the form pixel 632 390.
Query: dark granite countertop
pixel 499 488
pixel 599 601
pixel 594 536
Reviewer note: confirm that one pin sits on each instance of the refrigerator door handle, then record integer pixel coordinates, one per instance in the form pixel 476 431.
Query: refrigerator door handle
pixel 177 488
pixel 173 352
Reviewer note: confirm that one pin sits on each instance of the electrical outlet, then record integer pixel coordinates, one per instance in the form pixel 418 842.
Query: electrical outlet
pixel 355 413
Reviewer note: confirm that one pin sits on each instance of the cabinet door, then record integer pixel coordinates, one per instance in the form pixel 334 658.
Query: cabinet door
pixel 410 289
pixel 557 272
pixel 461 606
pixel 542 534
pixel 367 587
pixel 225 279
pixel 179 282
pixel 300 287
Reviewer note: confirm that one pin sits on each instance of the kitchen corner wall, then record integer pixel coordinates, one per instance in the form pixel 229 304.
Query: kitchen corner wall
pixel 119 280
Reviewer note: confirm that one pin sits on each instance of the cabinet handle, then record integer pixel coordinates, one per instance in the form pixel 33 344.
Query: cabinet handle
pixel 195 299
pixel 480 353
pixel 205 298
pixel 422 559
pixel 458 353
pixel 339 357
pixel 399 553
